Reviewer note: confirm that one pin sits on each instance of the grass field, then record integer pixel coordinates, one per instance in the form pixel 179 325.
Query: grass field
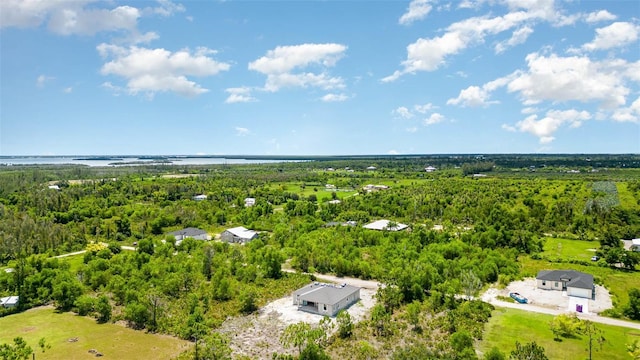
pixel 506 326
pixel 113 341
pixel 568 249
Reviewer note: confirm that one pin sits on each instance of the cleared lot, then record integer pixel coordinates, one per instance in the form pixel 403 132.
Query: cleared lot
pixel 257 336
pixel 552 299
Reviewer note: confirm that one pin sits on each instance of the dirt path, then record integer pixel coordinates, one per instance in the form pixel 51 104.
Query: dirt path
pixel 70 254
pixel 123 247
pixel 365 284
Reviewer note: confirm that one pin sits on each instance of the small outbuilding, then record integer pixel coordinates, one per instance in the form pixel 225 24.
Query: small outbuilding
pixel 249 201
pixel 238 234
pixel 9 302
pixel 575 283
pixel 635 245
pixel 385 225
pixel 200 197
pixel 190 232
pixel 325 299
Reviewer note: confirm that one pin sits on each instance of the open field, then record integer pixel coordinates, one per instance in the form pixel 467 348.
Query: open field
pixel 113 341
pixel 568 249
pixel 507 326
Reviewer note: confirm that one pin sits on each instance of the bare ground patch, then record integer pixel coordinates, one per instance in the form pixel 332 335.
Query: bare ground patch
pixel 257 336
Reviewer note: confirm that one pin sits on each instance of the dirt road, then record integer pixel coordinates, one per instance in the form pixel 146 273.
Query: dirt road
pixel 366 284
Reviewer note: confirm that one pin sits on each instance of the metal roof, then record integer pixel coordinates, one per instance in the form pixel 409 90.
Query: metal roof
pixel 188 232
pixel 325 293
pixel 9 300
pixel 243 232
pixel 573 278
pixel 384 225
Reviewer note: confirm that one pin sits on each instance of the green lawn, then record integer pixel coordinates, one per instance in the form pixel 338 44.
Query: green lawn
pixel 75 262
pixel 506 326
pixel 113 341
pixel 568 249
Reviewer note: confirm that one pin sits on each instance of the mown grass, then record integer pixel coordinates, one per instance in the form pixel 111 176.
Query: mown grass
pixel 113 341
pixel 568 249
pixel 75 262
pixel 627 200
pixel 617 281
pixel 506 326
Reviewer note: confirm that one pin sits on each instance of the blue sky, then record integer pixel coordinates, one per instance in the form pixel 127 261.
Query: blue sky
pixel 83 77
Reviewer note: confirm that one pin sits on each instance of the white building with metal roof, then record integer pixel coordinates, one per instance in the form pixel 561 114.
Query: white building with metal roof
pixel 384 225
pixel 238 234
pixel 325 299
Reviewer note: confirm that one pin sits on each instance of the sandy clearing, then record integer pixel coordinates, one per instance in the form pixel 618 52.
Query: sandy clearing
pixel 257 336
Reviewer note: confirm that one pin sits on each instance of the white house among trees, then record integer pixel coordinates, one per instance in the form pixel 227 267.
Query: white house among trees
pixel 238 234
pixel 194 233
pixel 325 299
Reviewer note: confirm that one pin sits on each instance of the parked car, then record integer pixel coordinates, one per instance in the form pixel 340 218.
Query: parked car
pixel 519 298
pixel 595 258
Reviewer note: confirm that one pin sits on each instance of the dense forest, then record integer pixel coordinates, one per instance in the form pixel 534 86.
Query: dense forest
pixel 471 222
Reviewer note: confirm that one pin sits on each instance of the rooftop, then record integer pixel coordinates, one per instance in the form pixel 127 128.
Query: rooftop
pixel 188 232
pixel 325 293
pixel 242 232
pixel 573 278
pixel 384 225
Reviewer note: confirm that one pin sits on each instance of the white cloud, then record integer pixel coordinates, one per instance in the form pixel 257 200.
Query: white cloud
pixel 546 127
pixel 555 78
pixel 276 82
pixel 241 131
pixel 602 15
pixel 91 21
pixel 159 70
pixel 417 10
pixel 393 152
pixel 628 114
pixel 239 95
pixel 472 96
pixel 422 109
pixel 278 64
pixel 412 129
pixel 402 112
pixel 68 90
pixel 42 80
pixel 165 8
pixel 145 38
pixel 334 97
pixel 519 36
pixel 283 59
pixel 615 35
pixel 429 54
pixel 79 17
pixel 23 14
pixel 433 119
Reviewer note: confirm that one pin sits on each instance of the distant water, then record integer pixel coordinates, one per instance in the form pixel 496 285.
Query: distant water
pixel 124 160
